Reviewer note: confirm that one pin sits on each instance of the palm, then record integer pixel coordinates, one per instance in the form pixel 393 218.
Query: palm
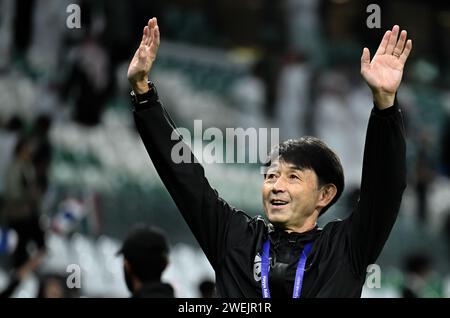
pixel 384 73
pixel 141 63
pixel 145 55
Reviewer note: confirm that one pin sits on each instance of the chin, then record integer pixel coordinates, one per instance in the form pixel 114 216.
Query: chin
pixel 277 217
pixel 276 220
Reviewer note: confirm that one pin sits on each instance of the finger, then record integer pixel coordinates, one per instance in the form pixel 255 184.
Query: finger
pixel 156 32
pixel 152 23
pixel 404 56
pixel 155 44
pixel 149 23
pixel 157 38
pixel 150 36
pixel 365 59
pixel 149 33
pixel 392 40
pixel 400 44
pixel 383 43
pixel 144 35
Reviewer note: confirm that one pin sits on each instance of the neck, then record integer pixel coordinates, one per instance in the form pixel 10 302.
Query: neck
pixel 305 226
pixel 137 285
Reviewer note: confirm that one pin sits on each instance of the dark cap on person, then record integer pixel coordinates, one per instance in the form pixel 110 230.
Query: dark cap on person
pixel 144 242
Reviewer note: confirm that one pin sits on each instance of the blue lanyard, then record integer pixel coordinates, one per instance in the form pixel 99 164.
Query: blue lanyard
pixel 298 275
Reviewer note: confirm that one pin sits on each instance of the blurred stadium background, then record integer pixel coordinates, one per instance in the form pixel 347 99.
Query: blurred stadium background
pixel 292 64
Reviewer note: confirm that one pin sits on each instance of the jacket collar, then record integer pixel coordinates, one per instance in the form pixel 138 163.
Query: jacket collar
pixel 278 236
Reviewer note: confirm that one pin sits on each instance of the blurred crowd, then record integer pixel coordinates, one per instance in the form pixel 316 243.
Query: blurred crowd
pixel 290 64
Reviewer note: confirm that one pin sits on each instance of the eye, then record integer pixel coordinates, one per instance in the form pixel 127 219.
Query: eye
pixel 294 176
pixel 270 176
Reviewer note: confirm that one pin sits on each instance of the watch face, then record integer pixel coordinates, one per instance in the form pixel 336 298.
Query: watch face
pixel 133 97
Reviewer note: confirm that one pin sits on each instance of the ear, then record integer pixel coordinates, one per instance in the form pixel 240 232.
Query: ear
pixel 326 195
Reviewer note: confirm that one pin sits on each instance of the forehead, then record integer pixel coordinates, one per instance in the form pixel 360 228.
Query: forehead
pixel 283 165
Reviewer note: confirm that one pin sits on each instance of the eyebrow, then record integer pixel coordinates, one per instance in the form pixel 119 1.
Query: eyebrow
pixel 290 167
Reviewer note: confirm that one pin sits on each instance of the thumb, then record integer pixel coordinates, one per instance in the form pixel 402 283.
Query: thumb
pixel 365 58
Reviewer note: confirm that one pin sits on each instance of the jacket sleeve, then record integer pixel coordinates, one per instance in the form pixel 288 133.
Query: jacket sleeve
pixel 207 215
pixel 382 185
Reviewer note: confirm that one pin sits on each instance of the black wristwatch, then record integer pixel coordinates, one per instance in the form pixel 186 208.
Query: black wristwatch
pixel 140 99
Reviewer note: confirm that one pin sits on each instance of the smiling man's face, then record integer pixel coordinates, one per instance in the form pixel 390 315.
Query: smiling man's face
pixel 290 195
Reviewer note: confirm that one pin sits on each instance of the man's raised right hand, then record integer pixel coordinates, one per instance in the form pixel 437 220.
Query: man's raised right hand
pixel 144 57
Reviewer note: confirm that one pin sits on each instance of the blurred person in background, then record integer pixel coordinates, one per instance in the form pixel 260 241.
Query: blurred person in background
pixel 89 79
pixel 22 201
pixel 23 21
pixel 445 146
pixel 304 178
pixel 446 230
pixel 21 273
pixel 52 286
pixel 42 155
pixel 9 135
pixel 417 271
pixel 145 253
pixel 424 178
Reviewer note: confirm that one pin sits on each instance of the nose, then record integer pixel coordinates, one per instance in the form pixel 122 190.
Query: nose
pixel 279 185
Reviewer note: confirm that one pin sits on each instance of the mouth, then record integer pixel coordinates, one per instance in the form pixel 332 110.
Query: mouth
pixel 278 204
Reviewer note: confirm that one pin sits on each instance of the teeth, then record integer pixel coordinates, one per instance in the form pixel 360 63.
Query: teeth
pixel 278 202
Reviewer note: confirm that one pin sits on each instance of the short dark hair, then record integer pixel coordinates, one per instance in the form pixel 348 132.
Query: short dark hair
pixel 311 153
pixel 146 249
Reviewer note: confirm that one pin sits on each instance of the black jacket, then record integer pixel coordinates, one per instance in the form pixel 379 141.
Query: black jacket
pixel 232 241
